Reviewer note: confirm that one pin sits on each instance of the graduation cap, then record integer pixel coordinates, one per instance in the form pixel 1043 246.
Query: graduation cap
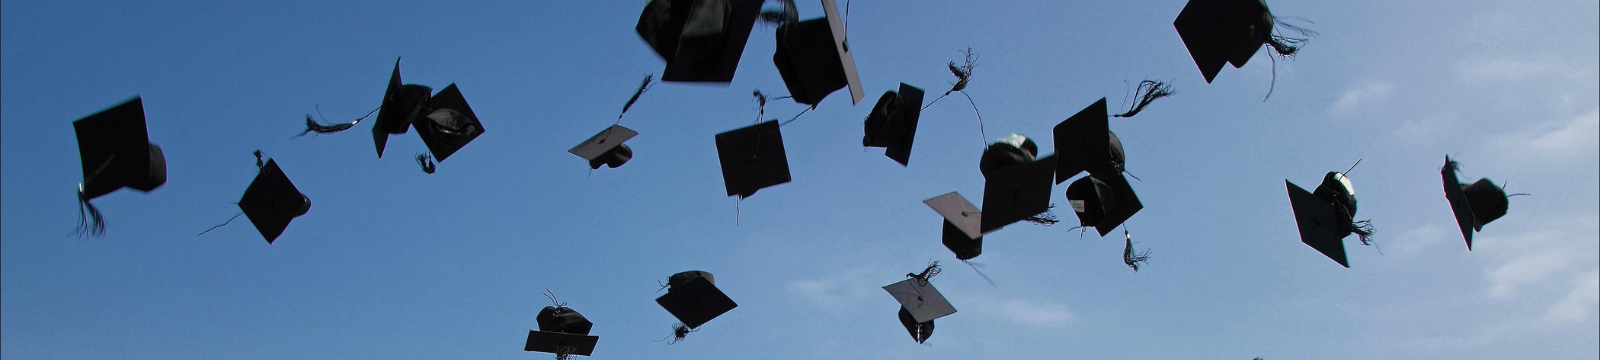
pixel 893 123
pixel 814 58
pixel 1474 204
pixel 401 105
pixel 693 298
pixel 116 152
pixel 449 124
pixel 562 331
pixel 1007 151
pixel 702 40
pixel 272 201
pixel 606 148
pixel 962 222
pixel 1325 216
pixel 1082 143
pixel 752 158
pixel 920 304
pixel 1218 32
pixel 1103 202
pixel 1016 192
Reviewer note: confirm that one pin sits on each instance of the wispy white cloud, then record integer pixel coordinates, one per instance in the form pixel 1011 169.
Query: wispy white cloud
pixel 1516 69
pixel 1527 268
pixel 1370 91
pixel 1029 312
pixel 1414 240
pixel 833 292
pixel 1583 300
pixel 1566 139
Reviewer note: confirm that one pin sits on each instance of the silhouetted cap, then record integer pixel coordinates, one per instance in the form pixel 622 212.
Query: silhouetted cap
pixel 702 40
pixel 561 331
pixel 1103 204
pixel 1081 141
pixel 1017 192
pixel 893 123
pixel 1218 32
pixel 919 331
pixel 606 148
pixel 449 124
pixel 1324 216
pixel 752 158
pixel 1474 205
pixel 921 299
pixel 962 224
pixel 401 105
pixel 272 201
pixel 1008 150
pixel 116 152
pixel 693 297
pixel 814 58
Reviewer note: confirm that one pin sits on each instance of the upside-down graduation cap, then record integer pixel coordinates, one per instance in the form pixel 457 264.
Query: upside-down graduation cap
pixel 893 123
pixel 272 201
pixel 752 158
pixel 921 299
pixel 449 124
pixel 702 40
pixel 1474 205
pixel 562 331
pixel 1081 142
pixel 814 58
pixel 962 221
pixel 116 152
pixel 606 148
pixel 1325 215
pixel 693 298
pixel 1219 32
pixel 1103 202
pixel 1016 192
pixel 401 105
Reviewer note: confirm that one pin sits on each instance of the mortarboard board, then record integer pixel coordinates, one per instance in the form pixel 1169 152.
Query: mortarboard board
pixel 272 201
pixel 962 220
pixel 921 299
pixel 752 158
pixel 702 40
pixel 893 123
pixel 449 125
pixel 1319 223
pixel 814 58
pixel 694 299
pixel 1103 202
pixel 1080 142
pixel 116 152
pixel 561 331
pixel 1219 32
pixel 606 148
pixel 401 104
pixel 1017 192
pixel 919 331
pixel 1473 205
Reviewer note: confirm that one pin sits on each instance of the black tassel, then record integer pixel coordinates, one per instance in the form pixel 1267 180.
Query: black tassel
pixel 642 88
pixel 1150 90
pixel 90 221
pixel 679 331
pixel 225 223
pixel 426 161
pixel 1046 218
pixel 788 14
pixel 1131 258
pixel 1364 230
pixel 313 126
pixel 985 277
pixel 927 273
pixel 1287 46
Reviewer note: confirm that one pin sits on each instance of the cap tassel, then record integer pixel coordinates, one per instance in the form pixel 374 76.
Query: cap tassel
pixel 636 93
pixel 963 75
pixel 1285 47
pixel 788 14
pixel 927 273
pixel 1364 230
pixel 313 126
pixel 565 352
pixel 90 221
pixel 1150 90
pixel 679 331
pixel 225 223
pixel 1046 218
pixel 975 267
pixel 1131 258
pixel 426 161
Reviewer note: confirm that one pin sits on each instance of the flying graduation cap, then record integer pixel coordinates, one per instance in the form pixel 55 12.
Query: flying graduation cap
pixel 892 125
pixel 693 298
pixel 1103 202
pixel 562 331
pixel 752 158
pixel 116 152
pixel 444 121
pixel 272 201
pixel 962 223
pixel 920 302
pixel 701 40
pixel 1084 142
pixel 1016 186
pixel 606 148
pixel 1325 216
pixel 814 58
pixel 1219 32
pixel 1474 204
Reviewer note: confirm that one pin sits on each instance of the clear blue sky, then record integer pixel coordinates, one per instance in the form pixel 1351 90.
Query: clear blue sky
pixel 392 263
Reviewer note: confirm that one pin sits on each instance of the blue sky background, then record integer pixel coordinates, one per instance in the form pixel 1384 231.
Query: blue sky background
pixel 393 263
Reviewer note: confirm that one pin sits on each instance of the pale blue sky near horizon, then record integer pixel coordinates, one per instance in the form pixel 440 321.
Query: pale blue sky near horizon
pixel 393 263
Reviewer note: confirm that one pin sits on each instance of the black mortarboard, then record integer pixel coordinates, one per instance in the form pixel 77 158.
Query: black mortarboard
pixel 1218 32
pixel 116 152
pixel 702 40
pixel 1103 202
pixel 814 58
pixel 561 331
pixel 1017 192
pixel 752 158
pixel 1081 142
pixel 1321 226
pixel 1474 205
pixel 919 331
pixel 921 299
pixel 1008 150
pixel 962 222
pixel 694 299
pixel 606 148
pixel 401 105
pixel 893 123
pixel 272 201
pixel 449 125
